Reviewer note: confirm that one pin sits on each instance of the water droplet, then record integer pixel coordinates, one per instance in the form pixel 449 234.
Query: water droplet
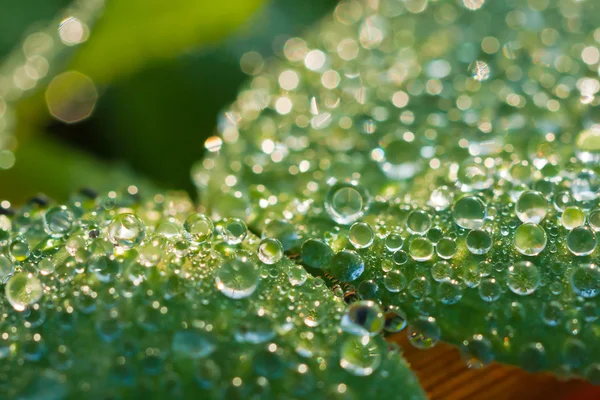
pixel 441 271
pixel 361 235
pixel 594 219
pixel 297 275
pixel 533 357
pixel 192 344
pixel 572 217
pixel 316 254
pixel 394 281
pixel 479 70
pixel 233 230
pixel 363 318
pixel 585 280
pixel 531 207
pixel 469 212
pixel 19 248
pixel 58 221
pixel 424 332
pixel 477 351
pixel 588 146
pixel 552 313
pixel 395 320
pixel 394 241
pixel 22 290
pixel 270 251
pixel 237 278
pixel 418 222
pixel 198 228
pixel 473 4
pixel 6 268
pixel 346 203
pixel 479 241
pixel 489 290
pixel 523 278
pixel 400 159
pixel 446 248
pixel 449 292
pixel 126 231
pixel 586 186
pixel 441 198
pixel 347 266
pixel 420 249
pixel 360 356
pixel 530 239
pixel 581 241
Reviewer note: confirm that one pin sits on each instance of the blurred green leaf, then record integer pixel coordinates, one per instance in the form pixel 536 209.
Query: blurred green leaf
pixel 133 33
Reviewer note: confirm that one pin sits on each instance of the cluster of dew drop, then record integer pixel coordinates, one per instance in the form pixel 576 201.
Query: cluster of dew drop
pixel 128 297
pixel 437 161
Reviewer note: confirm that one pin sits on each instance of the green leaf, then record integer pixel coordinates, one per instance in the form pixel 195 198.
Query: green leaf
pixel 136 294
pixel 134 33
pixel 442 169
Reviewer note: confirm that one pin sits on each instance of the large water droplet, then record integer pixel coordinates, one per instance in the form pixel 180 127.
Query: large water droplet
pixel 581 241
pixel 346 203
pixel 270 251
pixel 469 212
pixel 237 278
pixel 360 356
pixel 316 254
pixel 530 239
pixel 585 280
pixel 198 228
pixel 424 332
pixel 363 318
pixel 347 266
pixel 523 278
pixel 126 231
pixel 531 207
pixel 22 290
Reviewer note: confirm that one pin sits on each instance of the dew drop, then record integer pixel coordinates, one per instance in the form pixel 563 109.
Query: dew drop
pixel 424 332
pixel 346 203
pixel 126 231
pixel 394 242
pixel 446 248
pixel 477 352
pixel 449 292
pixel 237 278
pixel 531 207
pixel 523 278
pixel 479 70
pixel 197 228
pixel 530 239
pixel 421 249
pixel 190 344
pixel 479 241
pixel 347 266
pixel 233 230
pixel 585 280
pixel 418 222
pixel 363 318
pixel 469 212
pixel 572 217
pixel 360 356
pixel 400 159
pixel 316 254
pixel 270 251
pixel 581 241
pixel 22 290
pixel 361 235
pixel 394 281
pixel 58 221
